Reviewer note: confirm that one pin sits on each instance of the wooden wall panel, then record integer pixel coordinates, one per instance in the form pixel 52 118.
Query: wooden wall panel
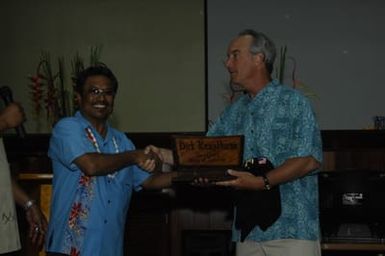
pixel 167 216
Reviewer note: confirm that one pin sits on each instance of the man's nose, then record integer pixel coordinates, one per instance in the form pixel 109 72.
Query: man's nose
pixel 227 63
pixel 101 95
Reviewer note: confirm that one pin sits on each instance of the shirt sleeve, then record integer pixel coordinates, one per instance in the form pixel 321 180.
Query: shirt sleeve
pixel 306 133
pixel 68 142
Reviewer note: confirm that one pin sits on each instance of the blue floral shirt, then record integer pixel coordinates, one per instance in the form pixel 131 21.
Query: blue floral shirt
pixel 279 123
pixel 88 214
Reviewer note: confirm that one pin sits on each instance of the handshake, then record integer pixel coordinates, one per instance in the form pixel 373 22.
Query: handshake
pixel 150 159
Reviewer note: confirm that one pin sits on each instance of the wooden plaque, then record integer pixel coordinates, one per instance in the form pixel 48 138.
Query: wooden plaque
pixel 210 157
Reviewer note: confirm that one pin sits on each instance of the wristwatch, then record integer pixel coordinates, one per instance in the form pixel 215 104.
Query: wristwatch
pixel 266 182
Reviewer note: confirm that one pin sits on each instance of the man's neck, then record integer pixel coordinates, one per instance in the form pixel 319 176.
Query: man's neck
pixel 101 128
pixel 99 125
pixel 258 84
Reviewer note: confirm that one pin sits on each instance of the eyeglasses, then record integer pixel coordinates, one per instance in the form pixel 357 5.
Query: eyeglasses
pixel 101 92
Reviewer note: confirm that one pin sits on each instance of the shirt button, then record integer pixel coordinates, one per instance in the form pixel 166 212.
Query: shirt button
pixel 252 131
pixel 109 201
pixel 105 221
pixel 108 181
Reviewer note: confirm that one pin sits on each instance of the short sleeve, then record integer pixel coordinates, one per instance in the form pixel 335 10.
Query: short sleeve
pixel 68 142
pixel 306 133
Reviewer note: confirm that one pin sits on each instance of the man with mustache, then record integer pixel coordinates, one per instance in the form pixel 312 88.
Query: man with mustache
pixel 96 168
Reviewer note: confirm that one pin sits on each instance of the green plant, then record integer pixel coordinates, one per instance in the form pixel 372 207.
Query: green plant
pixel 282 68
pixel 51 90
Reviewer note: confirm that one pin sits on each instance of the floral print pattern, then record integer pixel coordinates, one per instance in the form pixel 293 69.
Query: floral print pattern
pixel 78 219
pixel 77 222
pixel 279 123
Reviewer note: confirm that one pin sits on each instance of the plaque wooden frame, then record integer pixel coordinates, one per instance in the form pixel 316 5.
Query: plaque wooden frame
pixel 207 156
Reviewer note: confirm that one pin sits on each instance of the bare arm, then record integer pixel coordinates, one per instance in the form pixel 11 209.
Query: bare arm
pixel 18 194
pixel 159 180
pixel 37 222
pixel 291 169
pixel 12 116
pixel 96 164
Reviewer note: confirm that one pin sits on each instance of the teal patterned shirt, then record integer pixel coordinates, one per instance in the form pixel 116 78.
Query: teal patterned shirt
pixel 278 123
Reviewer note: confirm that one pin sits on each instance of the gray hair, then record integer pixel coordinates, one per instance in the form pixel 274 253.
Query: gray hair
pixel 261 44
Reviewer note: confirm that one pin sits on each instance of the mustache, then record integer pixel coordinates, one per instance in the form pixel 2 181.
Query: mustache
pixel 101 102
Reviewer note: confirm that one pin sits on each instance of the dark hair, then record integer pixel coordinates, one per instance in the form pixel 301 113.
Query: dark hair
pixel 261 44
pixel 97 70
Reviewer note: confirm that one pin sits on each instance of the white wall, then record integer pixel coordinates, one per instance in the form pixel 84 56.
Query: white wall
pixel 155 48
pixel 338 45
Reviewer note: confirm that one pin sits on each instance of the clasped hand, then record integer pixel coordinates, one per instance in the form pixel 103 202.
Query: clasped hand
pixel 150 161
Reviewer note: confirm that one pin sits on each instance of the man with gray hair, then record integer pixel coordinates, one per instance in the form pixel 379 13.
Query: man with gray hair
pixel 279 125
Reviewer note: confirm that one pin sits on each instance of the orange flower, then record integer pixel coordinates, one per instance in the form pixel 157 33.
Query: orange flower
pixel 76 211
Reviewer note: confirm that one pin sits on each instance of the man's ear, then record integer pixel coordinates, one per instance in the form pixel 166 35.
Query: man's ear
pixel 78 98
pixel 259 58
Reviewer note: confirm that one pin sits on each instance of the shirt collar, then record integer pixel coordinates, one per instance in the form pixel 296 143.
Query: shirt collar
pixel 268 88
pixel 86 124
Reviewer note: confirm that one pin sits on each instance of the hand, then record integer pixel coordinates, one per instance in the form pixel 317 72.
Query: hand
pixel 150 161
pixel 155 158
pixel 165 155
pixel 37 225
pixel 244 180
pixel 202 182
pixel 154 150
pixel 11 116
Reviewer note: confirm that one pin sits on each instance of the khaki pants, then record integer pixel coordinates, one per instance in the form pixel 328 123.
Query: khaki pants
pixel 284 247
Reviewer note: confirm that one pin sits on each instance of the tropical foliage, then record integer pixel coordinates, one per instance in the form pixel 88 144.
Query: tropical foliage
pixel 52 87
